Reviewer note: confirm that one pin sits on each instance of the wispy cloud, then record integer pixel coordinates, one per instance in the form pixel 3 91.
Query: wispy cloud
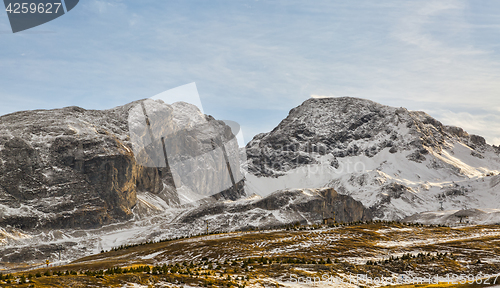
pixel 322 96
pixel 255 60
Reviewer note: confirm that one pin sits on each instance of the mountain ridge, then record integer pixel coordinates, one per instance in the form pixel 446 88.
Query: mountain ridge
pixel 80 185
pixel 378 154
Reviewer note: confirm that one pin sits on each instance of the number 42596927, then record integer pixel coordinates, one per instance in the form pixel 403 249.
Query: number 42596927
pixel 24 8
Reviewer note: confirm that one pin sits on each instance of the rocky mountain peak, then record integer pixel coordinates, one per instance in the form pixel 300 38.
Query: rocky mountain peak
pixel 347 126
pixel 72 167
pixel 395 161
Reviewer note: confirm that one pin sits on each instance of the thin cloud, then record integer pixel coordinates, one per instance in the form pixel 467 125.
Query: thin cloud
pixel 256 58
pixel 485 124
pixel 322 96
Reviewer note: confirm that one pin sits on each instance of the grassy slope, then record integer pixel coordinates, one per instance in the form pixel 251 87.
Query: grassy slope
pixel 303 253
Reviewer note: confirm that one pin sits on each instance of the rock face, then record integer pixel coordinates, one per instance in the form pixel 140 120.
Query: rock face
pixel 282 207
pixel 75 168
pixel 395 161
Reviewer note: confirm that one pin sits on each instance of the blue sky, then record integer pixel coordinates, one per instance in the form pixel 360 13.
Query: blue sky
pixel 253 61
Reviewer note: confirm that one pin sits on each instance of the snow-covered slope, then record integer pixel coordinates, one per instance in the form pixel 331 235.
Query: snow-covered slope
pixel 281 207
pixel 396 162
pixel 154 220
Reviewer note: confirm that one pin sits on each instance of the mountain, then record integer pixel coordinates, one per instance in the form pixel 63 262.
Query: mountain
pixel 394 161
pixel 74 182
pixel 75 168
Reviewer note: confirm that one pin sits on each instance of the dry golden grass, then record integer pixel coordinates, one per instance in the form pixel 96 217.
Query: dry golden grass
pixel 293 251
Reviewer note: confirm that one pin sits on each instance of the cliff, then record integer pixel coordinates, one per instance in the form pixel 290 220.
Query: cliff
pixel 76 168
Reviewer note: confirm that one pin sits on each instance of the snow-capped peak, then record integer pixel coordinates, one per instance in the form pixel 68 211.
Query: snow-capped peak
pixel 396 161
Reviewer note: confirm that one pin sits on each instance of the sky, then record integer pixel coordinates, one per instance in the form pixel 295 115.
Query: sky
pixel 253 61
